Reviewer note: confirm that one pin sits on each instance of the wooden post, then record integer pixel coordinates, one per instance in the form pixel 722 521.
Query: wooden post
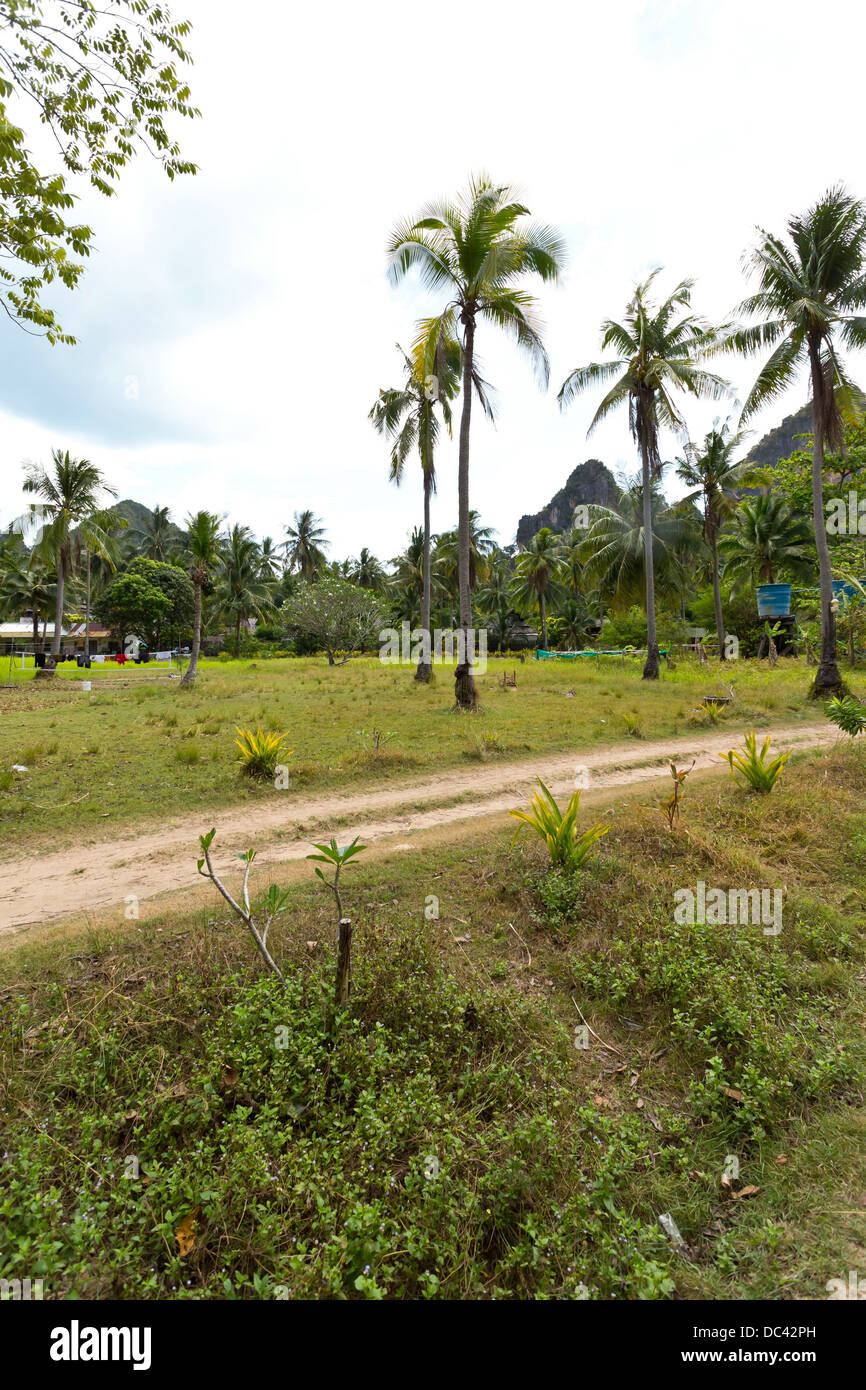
pixel 344 963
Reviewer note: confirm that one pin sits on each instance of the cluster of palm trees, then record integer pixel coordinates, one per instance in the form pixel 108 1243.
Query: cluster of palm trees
pixel 475 254
pixel 79 542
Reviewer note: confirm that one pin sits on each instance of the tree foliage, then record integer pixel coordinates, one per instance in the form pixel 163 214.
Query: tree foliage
pixel 103 76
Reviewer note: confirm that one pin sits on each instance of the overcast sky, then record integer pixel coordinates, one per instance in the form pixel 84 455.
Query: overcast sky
pixel 234 328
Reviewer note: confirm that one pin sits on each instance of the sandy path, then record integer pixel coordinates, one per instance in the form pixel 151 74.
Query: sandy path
pixel 43 888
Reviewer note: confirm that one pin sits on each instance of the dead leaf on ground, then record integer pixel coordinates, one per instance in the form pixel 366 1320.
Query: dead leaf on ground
pixel 185 1233
pixel 603 1101
pixel 745 1192
pixel 311 946
pixel 781 1158
pixel 229 1078
pixel 734 1094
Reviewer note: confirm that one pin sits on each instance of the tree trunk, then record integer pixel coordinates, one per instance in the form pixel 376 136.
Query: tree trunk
pixel 87 614
pixel 343 983
pixel 828 681
pixel 58 608
pixel 238 637
pixel 543 609
pixel 192 668
pixel 717 597
pixel 425 667
pixel 651 667
pixel 35 632
pixel 464 683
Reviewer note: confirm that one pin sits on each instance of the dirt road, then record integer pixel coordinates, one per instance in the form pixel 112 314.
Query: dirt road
pixel 97 878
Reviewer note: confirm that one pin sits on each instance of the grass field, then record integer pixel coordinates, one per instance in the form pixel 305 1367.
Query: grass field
pixel 452 1141
pixel 136 750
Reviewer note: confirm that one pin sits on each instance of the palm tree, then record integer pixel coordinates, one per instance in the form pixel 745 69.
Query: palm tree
pixel 659 348
pixel 617 554
pixel 711 470
pixel 70 517
pixel 241 592
pixel 810 290
pixel 366 571
pixel 306 545
pixel 407 414
pixel 272 565
pixel 203 551
pixel 766 538
pixel 495 599
pixel 477 249
pixel 481 546
pixel 537 571
pixel 571 554
pixel 26 585
pixel 156 533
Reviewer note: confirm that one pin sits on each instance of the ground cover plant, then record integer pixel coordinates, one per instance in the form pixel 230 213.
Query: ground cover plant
pixel 534 1066
pixel 137 749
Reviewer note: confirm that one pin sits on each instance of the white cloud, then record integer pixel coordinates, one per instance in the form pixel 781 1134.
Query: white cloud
pixel 252 303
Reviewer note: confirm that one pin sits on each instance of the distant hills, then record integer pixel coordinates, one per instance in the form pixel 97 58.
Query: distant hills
pixel 593 482
pixel 590 482
pixel 781 442
pixel 137 514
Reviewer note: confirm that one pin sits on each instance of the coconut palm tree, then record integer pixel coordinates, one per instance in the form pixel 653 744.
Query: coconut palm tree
pixel 616 551
pixel 272 565
pixel 766 538
pixel 659 348
pixel 155 537
pixel 70 517
pixel 203 553
pixel 306 545
pixel 477 249
pixel 366 571
pixel 481 547
pixel 571 554
pixel 537 571
pixel 241 592
pixel 26 585
pixel 711 470
pixel 407 415
pixel 809 303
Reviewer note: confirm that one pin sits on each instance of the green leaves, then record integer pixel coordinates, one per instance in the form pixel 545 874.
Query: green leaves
pixel 102 79
pixel 847 714
pixel 751 765
pixel 558 829
pixel 333 854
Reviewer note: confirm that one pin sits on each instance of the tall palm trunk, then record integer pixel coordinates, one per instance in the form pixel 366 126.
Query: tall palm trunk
pixel 238 637
pixel 464 683
pixel 543 609
pixel 717 594
pixel 58 607
pixel 192 669
pixel 651 666
pixel 425 668
pixel 827 677
pixel 35 629
pixel 87 614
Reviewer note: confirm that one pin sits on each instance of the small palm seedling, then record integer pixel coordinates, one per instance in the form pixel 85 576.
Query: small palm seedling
pixel 338 858
pixel 759 774
pixel 633 724
pixel 261 752
pixel 672 807
pixel 710 711
pixel 847 714
pixel 558 829
pixel 269 906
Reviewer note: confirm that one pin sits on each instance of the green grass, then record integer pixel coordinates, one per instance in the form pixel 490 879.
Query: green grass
pixel 452 1141
pixel 122 755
